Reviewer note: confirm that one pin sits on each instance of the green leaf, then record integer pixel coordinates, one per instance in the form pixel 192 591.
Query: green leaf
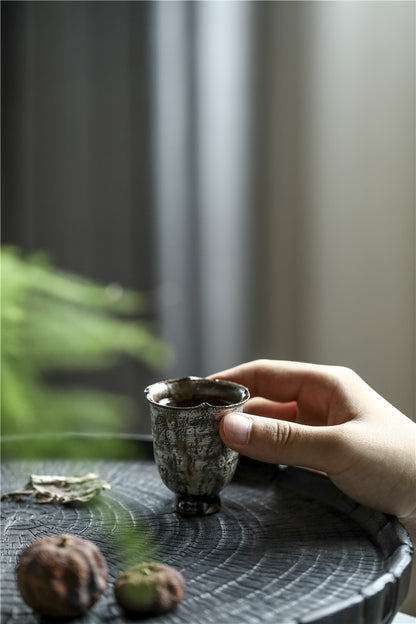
pixel 54 321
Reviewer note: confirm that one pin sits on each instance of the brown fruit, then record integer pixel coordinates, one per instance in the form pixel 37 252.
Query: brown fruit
pixel 61 575
pixel 150 588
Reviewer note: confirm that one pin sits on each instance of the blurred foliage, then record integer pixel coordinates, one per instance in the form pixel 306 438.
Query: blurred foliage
pixel 54 322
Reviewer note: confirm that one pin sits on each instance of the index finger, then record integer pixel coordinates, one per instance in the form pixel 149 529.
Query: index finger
pixel 278 380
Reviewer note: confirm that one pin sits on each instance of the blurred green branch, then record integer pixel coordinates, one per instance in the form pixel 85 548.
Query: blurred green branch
pixel 51 322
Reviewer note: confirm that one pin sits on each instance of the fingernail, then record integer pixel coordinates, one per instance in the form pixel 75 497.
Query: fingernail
pixel 237 428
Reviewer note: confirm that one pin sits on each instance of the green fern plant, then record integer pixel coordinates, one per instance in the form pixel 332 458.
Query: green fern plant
pixel 53 321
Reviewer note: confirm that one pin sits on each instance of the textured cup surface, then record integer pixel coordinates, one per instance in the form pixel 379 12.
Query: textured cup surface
pixel 192 459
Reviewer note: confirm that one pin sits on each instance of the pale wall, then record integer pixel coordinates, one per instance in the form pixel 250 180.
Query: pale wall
pixel 338 264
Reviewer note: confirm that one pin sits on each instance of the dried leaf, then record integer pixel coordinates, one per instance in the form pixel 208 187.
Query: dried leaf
pixel 61 489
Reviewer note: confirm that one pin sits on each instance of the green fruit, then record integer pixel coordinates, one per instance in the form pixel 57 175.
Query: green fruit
pixel 151 588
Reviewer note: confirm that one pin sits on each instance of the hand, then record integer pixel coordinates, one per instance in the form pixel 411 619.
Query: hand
pixel 328 419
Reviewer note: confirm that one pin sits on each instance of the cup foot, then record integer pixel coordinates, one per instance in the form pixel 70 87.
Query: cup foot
pixel 198 505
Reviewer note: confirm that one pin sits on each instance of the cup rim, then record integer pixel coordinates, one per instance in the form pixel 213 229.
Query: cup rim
pixel 192 378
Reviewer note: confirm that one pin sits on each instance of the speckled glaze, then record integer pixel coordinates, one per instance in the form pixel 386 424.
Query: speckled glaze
pixel 192 460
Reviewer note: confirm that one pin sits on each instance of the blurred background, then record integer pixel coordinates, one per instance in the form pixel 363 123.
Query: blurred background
pixel 250 167
pixel 247 167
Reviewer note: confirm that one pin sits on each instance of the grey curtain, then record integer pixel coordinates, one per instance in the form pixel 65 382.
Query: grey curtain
pixel 76 135
pixel 127 155
pixel 204 180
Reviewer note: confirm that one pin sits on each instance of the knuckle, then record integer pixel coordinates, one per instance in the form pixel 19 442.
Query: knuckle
pixel 345 374
pixel 261 367
pixel 264 365
pixel 278 433
pixel 342 378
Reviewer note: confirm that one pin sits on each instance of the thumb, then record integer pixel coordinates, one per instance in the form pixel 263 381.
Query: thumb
pixel 279 441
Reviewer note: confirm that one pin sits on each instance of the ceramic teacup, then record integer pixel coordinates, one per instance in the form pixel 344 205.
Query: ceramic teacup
pixel 191 458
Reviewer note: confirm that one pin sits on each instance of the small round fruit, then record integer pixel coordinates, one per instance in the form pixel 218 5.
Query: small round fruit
pixel 151 588
pixel 61 575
